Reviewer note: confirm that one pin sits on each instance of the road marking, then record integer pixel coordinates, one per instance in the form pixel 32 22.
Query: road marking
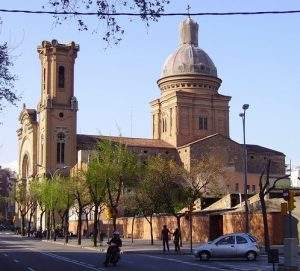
pixel 5 255
pixel 30 269
pixel 183 262
pixel 71 261
pixel 16 261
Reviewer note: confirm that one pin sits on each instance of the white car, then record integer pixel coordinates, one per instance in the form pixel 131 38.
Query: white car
pixel 229 246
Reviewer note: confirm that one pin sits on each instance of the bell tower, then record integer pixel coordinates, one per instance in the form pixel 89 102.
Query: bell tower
pixel 57 108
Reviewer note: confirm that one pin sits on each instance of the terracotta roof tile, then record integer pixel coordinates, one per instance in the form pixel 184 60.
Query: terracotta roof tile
pixel 261 149
pixel 89 141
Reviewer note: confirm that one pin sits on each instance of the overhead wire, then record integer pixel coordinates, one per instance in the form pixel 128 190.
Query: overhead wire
pixel 274 12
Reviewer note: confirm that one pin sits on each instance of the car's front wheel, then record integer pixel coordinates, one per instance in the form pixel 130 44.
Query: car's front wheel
pixel 251 255
pixel 204 255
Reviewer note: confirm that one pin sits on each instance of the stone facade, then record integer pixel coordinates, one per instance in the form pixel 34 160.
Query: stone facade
pixel 190 118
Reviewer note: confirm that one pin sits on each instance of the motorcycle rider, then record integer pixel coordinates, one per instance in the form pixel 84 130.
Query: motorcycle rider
pixel 114 246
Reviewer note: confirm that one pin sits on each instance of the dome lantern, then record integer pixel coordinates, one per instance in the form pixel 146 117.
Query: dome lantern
pixel 189 59
pixel 189 32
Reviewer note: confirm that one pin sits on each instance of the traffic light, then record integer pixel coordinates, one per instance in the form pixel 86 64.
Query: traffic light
pixel 291 201
pixel 284 208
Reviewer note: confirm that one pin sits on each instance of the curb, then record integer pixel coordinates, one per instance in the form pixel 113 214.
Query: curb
pixel 131 251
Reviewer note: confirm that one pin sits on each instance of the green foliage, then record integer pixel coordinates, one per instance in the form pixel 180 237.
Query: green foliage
pixel 149 11
pixel 7 79
pixel 52 193
pixel 163 179
pixel 119 167
pixel 79 188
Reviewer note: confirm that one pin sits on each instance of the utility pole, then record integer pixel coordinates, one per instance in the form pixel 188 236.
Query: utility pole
pixel 243 116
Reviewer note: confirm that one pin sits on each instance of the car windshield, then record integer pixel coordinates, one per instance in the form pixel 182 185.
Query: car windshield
pixel 252 238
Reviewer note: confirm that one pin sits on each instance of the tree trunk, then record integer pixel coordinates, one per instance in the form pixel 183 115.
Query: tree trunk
pixel 29 224
pixel 151 230
pixel 62 221
pixel 132 227
pixel 265 222
pixel 48 225
pixel 23 224
pixel 87 224
pixel 53 226
pixel 179 228
pixel 95 233
pixel 114 222
pixel 67 226
pixel 41 220
pixel 79 225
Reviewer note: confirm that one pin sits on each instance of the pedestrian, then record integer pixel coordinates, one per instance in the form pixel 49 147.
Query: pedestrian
pixel 176 236
pixel 165 237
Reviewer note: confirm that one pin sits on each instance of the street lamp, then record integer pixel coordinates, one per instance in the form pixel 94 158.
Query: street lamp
pixel 55 171
pixel 243 116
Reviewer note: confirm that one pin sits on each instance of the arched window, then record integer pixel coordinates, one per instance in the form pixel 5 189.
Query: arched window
pixel 60 148
pixel 61 76
pixel 25 167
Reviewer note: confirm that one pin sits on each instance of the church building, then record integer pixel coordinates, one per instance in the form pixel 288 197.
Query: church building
pixel 189 119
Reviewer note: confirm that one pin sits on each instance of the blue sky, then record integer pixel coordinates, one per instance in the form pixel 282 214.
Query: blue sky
pixel 257 58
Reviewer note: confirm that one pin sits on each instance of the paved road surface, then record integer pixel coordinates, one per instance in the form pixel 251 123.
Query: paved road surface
pixel 21 254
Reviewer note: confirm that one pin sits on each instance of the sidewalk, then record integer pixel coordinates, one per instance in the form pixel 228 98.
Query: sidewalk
pixel 143 246
pixel 138 245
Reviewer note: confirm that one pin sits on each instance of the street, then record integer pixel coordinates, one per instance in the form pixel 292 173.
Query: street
pixel 17 253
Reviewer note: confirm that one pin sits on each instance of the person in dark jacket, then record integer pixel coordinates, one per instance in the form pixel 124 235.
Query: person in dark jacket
pixel 114 246
pixel 165 237
pixel 176 236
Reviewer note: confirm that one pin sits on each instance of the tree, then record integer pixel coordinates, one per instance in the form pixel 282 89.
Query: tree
pixel 203 177
pixel 24 201
pixel 265 186
pixel 51 195
pixel 7 79
pixel 82 198
pixel 167 176
pixel 148 10
pixel 148 193
pixel 95 179
pixel 119 168
pixel 66 201
pixel 33 194
pixel 131 208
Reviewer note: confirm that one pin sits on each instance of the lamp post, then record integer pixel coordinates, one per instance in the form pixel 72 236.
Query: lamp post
pixel 52 175
pixel 243 116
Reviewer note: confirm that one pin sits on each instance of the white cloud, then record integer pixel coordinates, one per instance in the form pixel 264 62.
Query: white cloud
pixel 11 165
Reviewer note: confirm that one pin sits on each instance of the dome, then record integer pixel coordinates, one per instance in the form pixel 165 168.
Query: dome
pixel 189 58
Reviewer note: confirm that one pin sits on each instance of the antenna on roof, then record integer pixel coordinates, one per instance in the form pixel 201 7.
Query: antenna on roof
pixel 131 122
pixel 119 129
